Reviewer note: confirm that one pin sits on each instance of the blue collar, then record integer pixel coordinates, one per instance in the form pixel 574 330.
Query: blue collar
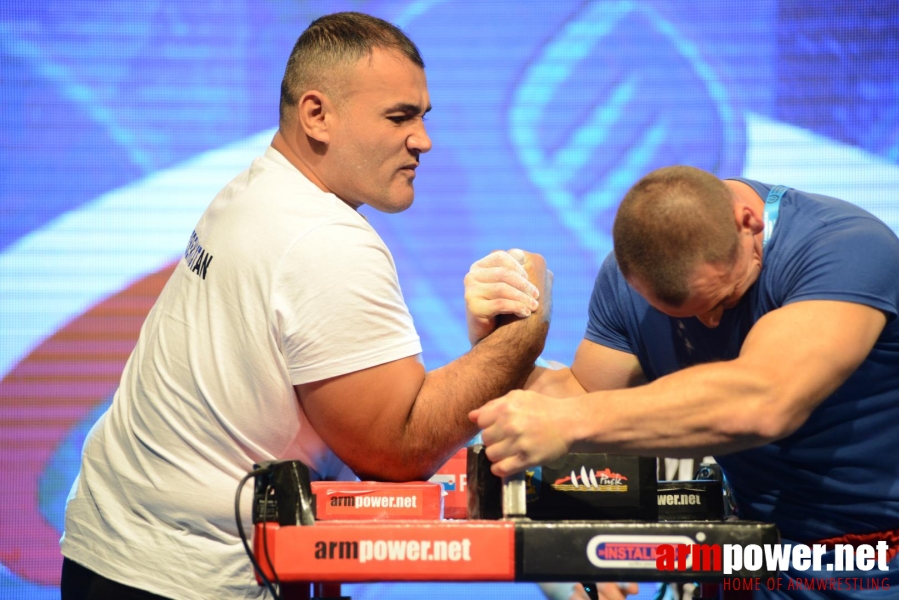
pixel 772 209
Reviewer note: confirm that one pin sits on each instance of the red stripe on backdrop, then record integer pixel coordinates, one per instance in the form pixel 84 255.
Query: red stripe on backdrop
pixel 43 398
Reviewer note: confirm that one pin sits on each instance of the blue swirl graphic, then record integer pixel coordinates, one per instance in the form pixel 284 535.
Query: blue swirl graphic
pixel 544 114
pixel 582 113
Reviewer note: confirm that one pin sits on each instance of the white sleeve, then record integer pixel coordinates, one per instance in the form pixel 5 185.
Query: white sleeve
pixel 337 304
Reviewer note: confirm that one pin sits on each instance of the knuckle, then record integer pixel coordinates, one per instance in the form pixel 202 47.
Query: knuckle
pixel 499 306
pixel 501 275
pixel 514 279
pixel 507 292
pixel 481 275
pixel 495 257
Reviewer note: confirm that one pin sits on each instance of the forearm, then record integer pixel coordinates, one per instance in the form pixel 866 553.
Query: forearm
pixel 412 421
pixel 437 423
pixel 557 383
pixel 707 409
pixel 791 361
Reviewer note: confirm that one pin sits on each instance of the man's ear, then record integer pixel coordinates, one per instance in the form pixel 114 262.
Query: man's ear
pixel 749 219
pixel 313 111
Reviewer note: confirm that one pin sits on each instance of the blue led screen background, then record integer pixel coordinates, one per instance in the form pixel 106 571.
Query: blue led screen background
pixel 120 121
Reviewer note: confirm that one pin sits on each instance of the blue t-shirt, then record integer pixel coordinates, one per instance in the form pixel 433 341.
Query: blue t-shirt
pixel 839 472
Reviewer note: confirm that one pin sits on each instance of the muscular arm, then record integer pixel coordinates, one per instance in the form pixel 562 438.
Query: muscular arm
pixel 792 359
pixel 396 422
pixel 595 368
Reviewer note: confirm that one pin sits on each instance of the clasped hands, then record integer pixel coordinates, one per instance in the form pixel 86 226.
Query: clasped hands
pixel 506 283
pixel 516 428
pixel 522 428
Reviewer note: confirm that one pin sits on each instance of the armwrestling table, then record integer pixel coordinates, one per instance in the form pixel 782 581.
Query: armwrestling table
pixel 310 558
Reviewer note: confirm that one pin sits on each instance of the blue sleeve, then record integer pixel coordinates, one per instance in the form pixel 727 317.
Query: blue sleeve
pixel 607 324
pixel 854 260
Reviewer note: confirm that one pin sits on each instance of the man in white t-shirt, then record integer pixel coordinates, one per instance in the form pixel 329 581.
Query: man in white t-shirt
pixel 283 334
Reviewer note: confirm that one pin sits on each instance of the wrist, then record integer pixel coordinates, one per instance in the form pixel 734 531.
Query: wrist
pixel 479 328
pixel 576 424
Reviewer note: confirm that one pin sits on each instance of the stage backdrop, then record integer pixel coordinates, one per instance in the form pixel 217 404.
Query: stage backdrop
pixel 119 121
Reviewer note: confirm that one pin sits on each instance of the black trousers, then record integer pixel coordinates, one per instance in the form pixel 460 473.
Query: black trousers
pixel 80 583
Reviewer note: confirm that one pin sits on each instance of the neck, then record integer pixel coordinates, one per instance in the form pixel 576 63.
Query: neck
pixel 295 156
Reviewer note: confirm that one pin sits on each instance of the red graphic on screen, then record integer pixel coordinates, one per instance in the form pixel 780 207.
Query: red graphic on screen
pixel 42 398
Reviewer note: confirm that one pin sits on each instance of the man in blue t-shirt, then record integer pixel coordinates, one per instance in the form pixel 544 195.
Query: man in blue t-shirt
pixel 754 323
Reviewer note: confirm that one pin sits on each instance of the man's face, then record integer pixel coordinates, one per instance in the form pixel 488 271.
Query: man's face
pixel 377 133
pixel 714 288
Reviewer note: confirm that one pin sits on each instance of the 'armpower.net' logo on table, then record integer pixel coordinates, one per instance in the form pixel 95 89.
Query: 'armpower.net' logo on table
pixel 394 550
pixel 357 502
pixel 730 558
pixel 680 553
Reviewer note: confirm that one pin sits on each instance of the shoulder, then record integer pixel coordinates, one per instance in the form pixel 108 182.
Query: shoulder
pixel 343 253
pixel 817 221
pixel 828 249
pixel 610 284
pixel 612 298
pixel 762 189
pixel 295 211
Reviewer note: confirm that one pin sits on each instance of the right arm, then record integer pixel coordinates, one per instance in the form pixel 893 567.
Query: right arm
pixel 595 368
pixel 396 422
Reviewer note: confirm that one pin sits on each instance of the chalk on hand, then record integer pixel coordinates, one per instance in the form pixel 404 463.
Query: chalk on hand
pixel 518 255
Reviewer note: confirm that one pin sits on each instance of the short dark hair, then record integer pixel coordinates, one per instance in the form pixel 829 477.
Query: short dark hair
pixel 331 43
pixel 670 222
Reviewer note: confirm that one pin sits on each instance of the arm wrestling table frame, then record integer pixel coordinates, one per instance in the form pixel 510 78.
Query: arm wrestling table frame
pixel 297 551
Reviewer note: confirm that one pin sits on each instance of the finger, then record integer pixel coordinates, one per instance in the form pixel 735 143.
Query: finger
pixel 508 276
pixel 490 432
pixel 474 415
pixel 503 275
pixel 497 441
pixel 484 305
pixel 629 588
pixel 507 286
pixel 578 593
pixel 535 264
pixel 508 466
pixel 610 591
pixel 484 416
pixel 500 259
pixel 521 306
pixel 499 451
pixel 514 308
pixel 519 255
pixel 560 591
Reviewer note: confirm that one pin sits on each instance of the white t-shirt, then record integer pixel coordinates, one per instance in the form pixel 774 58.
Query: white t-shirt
pixel 280 284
